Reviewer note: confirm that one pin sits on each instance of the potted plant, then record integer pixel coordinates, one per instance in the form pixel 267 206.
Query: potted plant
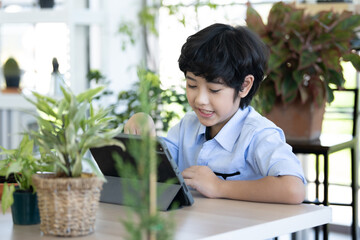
pixel 12 73
pixel 304 66
pixel 21 164
pixel 46 3
pixel 68 128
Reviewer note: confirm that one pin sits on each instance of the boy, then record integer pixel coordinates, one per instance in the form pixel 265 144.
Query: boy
pixel 224 148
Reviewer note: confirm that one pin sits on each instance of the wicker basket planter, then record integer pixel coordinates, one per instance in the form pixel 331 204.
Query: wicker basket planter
pixel 67 205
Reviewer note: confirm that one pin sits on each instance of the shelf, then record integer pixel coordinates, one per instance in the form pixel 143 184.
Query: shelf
pixel 14 101
pixel 79 16
pixel 75 15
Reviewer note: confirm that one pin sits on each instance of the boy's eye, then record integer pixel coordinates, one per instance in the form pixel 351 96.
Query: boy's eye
pixel 191 86
pixel 214 90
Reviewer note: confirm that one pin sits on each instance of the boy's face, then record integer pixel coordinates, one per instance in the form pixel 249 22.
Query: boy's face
pixel 212 102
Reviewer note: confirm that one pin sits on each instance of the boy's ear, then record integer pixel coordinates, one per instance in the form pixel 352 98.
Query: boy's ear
pixel 248 82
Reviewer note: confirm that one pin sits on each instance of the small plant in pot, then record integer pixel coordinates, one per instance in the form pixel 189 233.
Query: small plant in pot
pixel 304 66
pixel 46 3
pixel 68 128
pixel 12 73
pixel 22 165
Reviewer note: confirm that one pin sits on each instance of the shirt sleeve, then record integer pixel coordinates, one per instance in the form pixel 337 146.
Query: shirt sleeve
pixel 274 157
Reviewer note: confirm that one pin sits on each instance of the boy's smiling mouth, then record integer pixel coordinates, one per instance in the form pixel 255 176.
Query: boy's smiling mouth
pixel 205 113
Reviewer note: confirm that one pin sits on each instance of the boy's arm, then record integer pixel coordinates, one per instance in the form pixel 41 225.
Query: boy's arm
pixel 134 124
pixel 282 189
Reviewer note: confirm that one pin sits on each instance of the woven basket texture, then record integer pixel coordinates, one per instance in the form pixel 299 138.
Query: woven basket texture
pixel 67 205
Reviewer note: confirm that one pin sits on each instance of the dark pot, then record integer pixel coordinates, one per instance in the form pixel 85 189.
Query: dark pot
pixel 12 81
pixel 46 3
pixel 25 210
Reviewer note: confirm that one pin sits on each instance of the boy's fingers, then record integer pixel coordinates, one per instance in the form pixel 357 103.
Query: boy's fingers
pixel 128 131
pixel 188 173
pixel 189 182
pixel 133 131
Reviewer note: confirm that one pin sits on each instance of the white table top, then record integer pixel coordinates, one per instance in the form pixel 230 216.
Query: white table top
pixel 206 219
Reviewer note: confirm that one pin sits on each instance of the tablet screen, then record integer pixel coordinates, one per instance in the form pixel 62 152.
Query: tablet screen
pixel 104 158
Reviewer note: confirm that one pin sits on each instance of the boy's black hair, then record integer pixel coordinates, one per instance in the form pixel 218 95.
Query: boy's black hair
pixel 230 53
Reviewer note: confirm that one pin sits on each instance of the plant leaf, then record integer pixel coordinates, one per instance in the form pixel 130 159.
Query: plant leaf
pixel 335 77
pixel 7 198
pixel 26 146
pixel 307 58
pixel 289 89
pixel 354 58
pixel 14 167
pixel 89 94
pixel 254 20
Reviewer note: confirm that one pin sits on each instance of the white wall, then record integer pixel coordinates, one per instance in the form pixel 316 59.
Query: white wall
pixel 120 66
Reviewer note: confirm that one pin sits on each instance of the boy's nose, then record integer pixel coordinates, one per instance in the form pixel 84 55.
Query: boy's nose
pixel 202 97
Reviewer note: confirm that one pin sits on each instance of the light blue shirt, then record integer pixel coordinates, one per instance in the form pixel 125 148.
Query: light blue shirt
pixel 248 143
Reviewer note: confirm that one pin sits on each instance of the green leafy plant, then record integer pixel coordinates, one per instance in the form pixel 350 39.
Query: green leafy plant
pixel 163 102
pixel 306 52
pixel 95 75
pixel 143 220
pixel 23 164
pixel 69 127
pixel 11 67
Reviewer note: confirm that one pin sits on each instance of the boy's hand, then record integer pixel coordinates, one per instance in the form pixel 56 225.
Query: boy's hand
pixel 133 125
pixel 202 179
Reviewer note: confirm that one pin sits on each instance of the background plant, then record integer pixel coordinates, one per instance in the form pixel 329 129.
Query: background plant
pixel 162 102
pixel 11 67
pixel 95 77
pixel 69 127
pixel 306 52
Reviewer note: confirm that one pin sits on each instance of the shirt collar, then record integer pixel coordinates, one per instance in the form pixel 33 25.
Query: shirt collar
pixel 232 129
pixel 230 132
pixel 201 132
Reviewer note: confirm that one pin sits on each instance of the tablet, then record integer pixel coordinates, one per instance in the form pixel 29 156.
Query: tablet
pixel 172 194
